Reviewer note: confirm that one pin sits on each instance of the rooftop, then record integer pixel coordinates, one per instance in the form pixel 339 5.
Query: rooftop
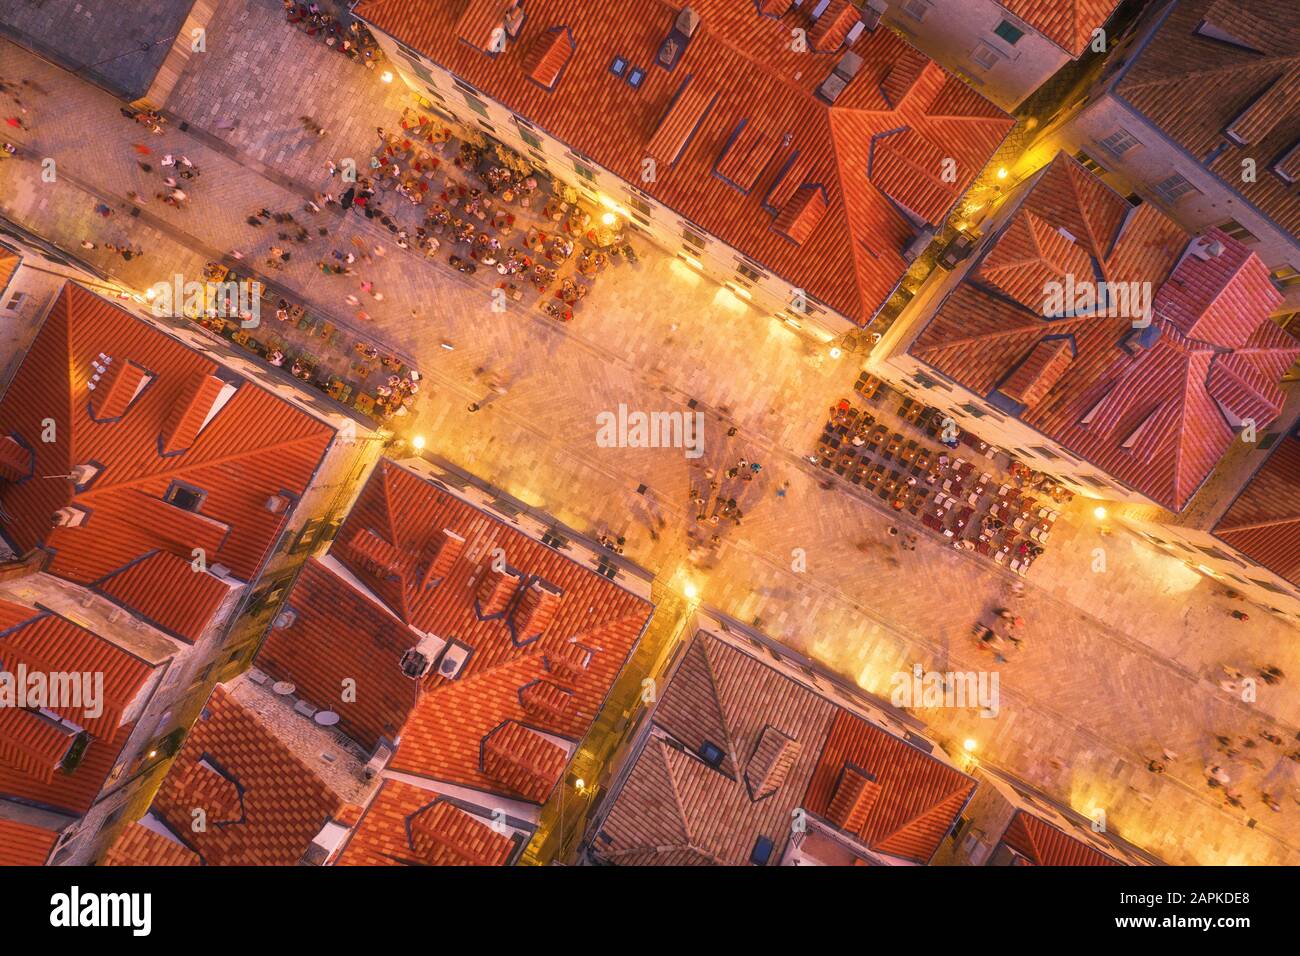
pixel 737 749
pixel 820 165
pixel 1155 407
pixel 265 796
pixel 142 449
pixel 488 652
pixel 1264 521
pixel 1242 58
pixel 1067 23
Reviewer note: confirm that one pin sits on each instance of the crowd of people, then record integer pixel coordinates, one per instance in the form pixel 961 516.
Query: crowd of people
pixel 354 41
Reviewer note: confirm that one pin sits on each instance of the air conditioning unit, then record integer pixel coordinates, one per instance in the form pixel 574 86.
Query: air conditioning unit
pixel 419 660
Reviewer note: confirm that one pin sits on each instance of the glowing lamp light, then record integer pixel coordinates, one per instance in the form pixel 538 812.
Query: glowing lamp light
pixel 418 442
pixel 387 76
pixel 836 353
pixel 1002 172
pixel 579 784
pixel 690 590
pixel 1099 513
pixel 969 745
pixel 609 219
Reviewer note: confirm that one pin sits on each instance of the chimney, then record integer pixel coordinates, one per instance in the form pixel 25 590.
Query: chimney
pixel 276 504
pixel 325 845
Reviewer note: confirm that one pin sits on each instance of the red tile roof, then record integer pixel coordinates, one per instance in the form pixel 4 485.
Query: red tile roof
pixel 778 746
pixel 918 796
pixel 22 844
pixel 339 634
pixel 74 792
pixel 1263 523
pixel 257 445
pixel 742 68
pixel 139 845
pixel 167 592
pixel 1041 844
pixel 548 56
pixel 1245 68
pixel 9 263
pixel 263 805
pixel 405 825
pixel 1067 23
pixel 538 617
pixel 1154 417
pixel 45 642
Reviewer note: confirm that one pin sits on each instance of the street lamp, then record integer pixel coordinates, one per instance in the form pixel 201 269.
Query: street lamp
pixel 418 443
pixel 1099 513
pixel 387 76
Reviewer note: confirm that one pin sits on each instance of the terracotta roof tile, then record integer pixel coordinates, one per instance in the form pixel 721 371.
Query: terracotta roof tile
pixel 264 805
pixel 1142 405
pixel 682 804
pixel 15 459
pixel 32 743
pixel 536 669
pixel 1263 522
pixel 139 845
pixel 1067 23
pixel 742 68
pixel 117 388
pixel 1042 844
pixel 167 592
pixel 73 792
pixel 801 213
pixel 405 825
pixel 1241 57
pixel 255 433
pixel 832 28
pixel 22 844
pixel 548 56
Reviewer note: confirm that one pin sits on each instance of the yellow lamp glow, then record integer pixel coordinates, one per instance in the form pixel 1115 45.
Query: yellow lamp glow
pixel 969 744
pixel 690 590
pixel 609 219
pixel 418 442
pixel 1099 513
pixel 387 76
pixel 836 353
pixel 1002 172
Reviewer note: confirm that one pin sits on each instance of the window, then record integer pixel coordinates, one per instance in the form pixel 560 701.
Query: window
pixel 973 409
pixel 695 239
pixel 1175 188
pixel 916 9
pixel 711 753
pixel 184 496
pixel 307 536
pixel 474 103
pixel 985 55
pixel 16 300
pixel 1045 452
pixel 1119 142
pixel 586 172
pixel 619 66
pixel 1285 277
pixel 1220 555
pixel 1237 231
pixel 487 126
pixel 635 76
pixel 639 205
pixel 1269 586
pixel 529 138
pixel 1090 164
pixel 1009 32
pixel 753 275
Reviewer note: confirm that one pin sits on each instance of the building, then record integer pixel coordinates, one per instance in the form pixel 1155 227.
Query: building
pixel 802 160
pixel 466 648
pixel 1250 543
pixel 256 784
pixel 1006 48
pixel 1197 112
pixel 1100 342
pixel 158 496
pixel 135 51
pixel 1008 824
pixel 748 757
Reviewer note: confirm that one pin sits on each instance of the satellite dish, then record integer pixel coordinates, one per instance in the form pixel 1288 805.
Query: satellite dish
pixel 283 688
pixel 326 718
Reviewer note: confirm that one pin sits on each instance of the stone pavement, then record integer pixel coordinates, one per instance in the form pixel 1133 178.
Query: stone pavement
pixel 1117 664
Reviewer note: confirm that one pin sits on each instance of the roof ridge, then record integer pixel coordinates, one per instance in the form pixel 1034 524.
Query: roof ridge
pixel 1266 60
pixel 100 487
pixel 711 670
pixel 929 808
